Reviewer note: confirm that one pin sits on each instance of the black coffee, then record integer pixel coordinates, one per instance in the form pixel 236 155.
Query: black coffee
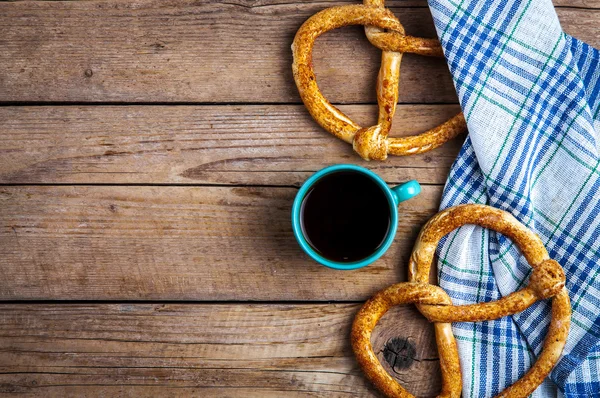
pixel 345 216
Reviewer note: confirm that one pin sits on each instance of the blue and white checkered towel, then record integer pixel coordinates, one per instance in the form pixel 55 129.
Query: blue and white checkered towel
pixel 531 97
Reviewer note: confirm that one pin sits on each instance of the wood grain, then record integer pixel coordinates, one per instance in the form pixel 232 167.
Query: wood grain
pixel 213 350
pixel 177 243
pixel 199 51
pixel 578 3
pixel 204 51
pixel 389 3
pixel 266 145
pixel 582 23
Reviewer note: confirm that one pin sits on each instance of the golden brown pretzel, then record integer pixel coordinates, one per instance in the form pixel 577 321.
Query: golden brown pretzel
pixel 547 281
pixel 373 310
pixel 387 33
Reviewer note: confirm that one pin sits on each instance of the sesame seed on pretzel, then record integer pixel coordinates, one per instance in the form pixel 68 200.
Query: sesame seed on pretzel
pixel 547 281
pixel 386 32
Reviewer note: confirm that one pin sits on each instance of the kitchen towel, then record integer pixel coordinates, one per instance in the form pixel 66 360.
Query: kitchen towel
pixel 531 97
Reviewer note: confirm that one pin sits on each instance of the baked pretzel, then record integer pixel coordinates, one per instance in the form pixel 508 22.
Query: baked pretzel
pixel 385 32
pixel 547 281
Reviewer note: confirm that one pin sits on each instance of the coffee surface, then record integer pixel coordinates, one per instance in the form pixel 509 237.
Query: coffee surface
pixel 345 216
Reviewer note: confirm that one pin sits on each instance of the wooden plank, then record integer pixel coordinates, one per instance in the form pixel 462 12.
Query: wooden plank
pixel 578 3
pixel 389 3
pixel 208 350
pixel 156 50
pixel 273 145
pixel 177 243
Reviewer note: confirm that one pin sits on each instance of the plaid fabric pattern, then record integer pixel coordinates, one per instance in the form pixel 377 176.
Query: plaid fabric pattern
pixel 531 96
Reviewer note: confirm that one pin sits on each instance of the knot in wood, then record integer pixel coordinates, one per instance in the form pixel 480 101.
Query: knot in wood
pixel 399 353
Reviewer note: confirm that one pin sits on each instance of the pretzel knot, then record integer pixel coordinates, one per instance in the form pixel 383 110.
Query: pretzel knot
pixel 547 281
pixel 385 32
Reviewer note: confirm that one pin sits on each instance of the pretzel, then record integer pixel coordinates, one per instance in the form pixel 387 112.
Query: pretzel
pixel 547 281
pixel 385 32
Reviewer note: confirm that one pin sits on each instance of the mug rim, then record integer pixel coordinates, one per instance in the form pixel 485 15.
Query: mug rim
pixel 296 222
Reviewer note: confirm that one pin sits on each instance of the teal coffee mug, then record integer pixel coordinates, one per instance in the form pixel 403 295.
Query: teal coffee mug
pixel 345 216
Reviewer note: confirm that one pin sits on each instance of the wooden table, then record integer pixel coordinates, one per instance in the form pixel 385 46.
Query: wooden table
pixel 149 154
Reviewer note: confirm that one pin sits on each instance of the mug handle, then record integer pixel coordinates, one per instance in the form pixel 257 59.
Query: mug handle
pixel 406 191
